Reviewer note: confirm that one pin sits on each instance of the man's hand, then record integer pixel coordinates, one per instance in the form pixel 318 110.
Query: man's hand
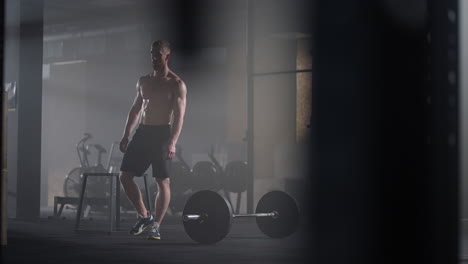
pixel 171 150
pixel 123 144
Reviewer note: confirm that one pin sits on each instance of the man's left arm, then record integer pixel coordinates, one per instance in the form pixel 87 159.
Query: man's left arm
pixel 179 112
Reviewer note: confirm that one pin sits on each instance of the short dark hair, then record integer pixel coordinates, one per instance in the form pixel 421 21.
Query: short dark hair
pixel 162 44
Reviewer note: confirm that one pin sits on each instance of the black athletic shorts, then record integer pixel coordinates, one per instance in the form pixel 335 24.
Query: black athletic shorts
pixel 148 147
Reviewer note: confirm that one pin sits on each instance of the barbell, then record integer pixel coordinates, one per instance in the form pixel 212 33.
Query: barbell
pixel 207 216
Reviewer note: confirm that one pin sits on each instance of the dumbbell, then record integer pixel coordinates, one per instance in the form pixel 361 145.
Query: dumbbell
pixel 207 216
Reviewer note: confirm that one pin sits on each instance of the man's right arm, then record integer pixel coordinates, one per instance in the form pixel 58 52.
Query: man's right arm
pixel 132 119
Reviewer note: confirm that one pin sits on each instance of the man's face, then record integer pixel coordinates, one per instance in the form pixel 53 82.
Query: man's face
pixel 159 58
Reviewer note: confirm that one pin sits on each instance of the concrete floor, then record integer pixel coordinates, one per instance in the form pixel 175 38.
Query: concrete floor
pixel 54 241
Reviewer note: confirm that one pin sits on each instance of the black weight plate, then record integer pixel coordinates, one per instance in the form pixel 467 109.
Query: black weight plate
pixel 218 221
pixel 286 222
pixel 205 176
pixel 235 176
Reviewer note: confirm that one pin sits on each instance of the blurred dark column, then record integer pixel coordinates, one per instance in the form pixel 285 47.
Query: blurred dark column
pixel 250 106
pixel 10 75
pixel 385 155
pixel 345 133
pixel 4 180
pixel 29 109
pixel 4 175
pixel 441 187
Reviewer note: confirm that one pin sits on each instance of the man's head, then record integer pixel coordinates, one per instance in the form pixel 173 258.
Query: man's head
pixel 160 53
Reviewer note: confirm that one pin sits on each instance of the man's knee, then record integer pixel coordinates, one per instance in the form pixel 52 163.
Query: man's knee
pixel 126 177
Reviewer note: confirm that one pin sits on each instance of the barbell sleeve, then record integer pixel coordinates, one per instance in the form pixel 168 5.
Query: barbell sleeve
pixel 191 217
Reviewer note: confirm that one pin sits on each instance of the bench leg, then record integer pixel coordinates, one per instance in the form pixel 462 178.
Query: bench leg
pixel 55 206
pixel 80 205
pixel 111 204
pixel 117 203
pixel 60 210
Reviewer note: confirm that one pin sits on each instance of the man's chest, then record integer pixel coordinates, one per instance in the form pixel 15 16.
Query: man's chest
pixel 151 89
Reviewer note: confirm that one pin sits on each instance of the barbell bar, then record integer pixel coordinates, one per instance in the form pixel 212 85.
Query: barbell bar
pixel 196 217
pixel 207 216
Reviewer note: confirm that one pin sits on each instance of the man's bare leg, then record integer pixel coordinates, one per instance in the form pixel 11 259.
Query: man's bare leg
pixel 162 199
pixel 133 192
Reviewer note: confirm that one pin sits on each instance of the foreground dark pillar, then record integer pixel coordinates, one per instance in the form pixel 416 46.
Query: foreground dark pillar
pixel 385 132
pixel 29 109
pixel 4 175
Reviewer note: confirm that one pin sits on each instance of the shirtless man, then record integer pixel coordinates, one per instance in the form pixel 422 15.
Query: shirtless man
pixel 160 99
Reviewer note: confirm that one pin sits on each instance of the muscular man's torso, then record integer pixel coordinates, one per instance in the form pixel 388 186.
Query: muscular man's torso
pixel 158 98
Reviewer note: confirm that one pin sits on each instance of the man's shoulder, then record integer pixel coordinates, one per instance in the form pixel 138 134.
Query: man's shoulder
pixel 179 82
pixel 144 78
pixel 176 80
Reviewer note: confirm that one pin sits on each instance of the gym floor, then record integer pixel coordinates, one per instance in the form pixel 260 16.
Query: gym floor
pixel 54 241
